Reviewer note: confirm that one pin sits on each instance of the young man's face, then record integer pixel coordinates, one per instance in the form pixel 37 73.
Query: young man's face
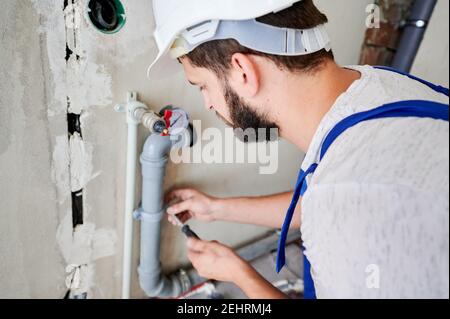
pixel 220 97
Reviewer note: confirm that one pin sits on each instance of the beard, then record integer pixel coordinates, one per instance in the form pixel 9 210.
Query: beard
pixel 249 125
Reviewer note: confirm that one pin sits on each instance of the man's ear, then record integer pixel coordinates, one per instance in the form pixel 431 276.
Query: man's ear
pixel 245 77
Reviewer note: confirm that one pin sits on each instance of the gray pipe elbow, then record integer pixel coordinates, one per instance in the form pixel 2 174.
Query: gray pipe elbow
pixel 156 148
pixel 155 284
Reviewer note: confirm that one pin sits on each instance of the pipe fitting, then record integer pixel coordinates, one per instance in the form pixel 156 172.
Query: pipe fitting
pixel 154 285
pixel 142 215
pixel 138 112
pixel 151 120
pixel 107 16
pixel 156 150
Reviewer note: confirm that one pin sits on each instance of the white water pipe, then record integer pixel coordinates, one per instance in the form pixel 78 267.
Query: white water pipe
pixel 129 208
pixel 130 192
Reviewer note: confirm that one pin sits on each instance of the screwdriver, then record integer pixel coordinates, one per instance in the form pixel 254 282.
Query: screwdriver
pixel 185 229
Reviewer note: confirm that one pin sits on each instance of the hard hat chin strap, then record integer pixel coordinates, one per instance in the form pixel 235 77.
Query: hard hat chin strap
pixel 254 35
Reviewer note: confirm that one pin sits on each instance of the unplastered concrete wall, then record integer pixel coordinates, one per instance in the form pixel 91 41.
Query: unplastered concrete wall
pixel 46 59
pixel 62 147
pixel 31 265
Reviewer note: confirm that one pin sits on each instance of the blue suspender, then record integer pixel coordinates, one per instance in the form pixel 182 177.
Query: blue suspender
pixel 416 108
pixel 421 109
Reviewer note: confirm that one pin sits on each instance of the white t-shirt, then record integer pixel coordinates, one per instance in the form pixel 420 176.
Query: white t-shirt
pixel 375 218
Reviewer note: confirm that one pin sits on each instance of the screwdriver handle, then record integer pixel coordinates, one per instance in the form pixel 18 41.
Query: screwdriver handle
pixel 188 232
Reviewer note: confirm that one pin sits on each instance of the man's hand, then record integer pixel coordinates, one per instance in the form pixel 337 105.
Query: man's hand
pixel 218 262
pixel 193 205
pixel 267 211
pixel 213 260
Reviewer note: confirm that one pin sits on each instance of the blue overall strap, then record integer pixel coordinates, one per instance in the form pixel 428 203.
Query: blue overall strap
pixel 437 88
pixel 309 291
pixel 419 109
pixel 300 189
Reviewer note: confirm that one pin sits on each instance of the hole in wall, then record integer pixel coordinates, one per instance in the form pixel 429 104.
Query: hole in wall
pixel 74 124
pixel 69 53
pixel 77 208
pixel 107 16
pixel 74 127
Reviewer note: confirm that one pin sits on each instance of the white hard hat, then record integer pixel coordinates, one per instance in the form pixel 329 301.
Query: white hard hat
pixel 182 25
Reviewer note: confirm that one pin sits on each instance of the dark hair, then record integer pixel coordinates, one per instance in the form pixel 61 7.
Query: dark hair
pixel 216 55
